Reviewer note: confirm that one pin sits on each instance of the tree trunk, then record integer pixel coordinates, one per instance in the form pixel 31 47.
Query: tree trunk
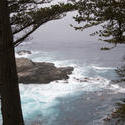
pixel 9 89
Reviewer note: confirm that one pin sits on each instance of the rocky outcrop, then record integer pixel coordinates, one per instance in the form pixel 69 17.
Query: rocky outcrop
pixel 40 72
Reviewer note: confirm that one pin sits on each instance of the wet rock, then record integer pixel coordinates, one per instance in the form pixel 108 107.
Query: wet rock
pixel 87 79
pixel 40 72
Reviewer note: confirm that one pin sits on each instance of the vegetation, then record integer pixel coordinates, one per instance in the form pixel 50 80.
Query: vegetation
pixel 27 15
pixel 118 116
pixel 109 14
pixel 120 111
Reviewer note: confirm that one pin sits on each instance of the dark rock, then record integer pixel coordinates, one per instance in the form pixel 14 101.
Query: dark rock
pixel 42 72
pixel 105 48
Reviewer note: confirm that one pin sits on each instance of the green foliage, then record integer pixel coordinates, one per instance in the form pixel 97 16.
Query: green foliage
pixel 28 15
pixel 118 116
pixel 110 14
pixel 120 111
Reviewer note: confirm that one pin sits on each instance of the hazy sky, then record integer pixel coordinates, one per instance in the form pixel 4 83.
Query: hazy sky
pixel 60 30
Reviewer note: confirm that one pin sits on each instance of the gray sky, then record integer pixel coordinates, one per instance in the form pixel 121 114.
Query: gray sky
pixel 60 30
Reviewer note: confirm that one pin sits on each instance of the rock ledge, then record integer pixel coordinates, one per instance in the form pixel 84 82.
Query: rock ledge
pixel 40 72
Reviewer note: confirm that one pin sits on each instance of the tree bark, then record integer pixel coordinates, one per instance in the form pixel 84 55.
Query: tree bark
pixel 9 88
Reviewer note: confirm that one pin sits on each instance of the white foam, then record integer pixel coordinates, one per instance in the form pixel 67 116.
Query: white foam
pixel 117 88
pixel 102 68
pixel 49 92
pixel 41 97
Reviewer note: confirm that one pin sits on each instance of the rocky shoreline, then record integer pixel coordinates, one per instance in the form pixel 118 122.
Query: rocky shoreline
pixel 40 72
